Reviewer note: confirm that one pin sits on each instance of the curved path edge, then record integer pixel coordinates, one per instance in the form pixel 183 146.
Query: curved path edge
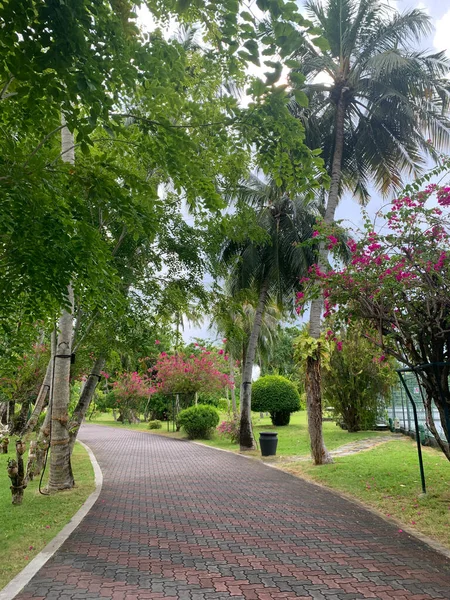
pixel 22 578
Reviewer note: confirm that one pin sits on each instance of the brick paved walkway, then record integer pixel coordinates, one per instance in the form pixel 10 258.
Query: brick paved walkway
pixel 178 520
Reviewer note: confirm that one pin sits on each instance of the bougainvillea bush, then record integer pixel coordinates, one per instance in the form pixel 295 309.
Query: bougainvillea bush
pixel 398 283
pixel 181 374
pixel 130 391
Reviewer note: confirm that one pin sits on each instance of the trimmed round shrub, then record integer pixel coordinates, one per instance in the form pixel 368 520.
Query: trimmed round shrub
pixel 154 424
pixel 276 395
pixel 199 421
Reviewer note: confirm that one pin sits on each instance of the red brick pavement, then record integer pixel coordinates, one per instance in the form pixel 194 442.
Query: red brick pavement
pixel 178 520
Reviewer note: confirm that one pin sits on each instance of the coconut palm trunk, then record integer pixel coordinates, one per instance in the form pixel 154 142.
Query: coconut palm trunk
pixel 61 476
pixel 313 368
pixel 246 439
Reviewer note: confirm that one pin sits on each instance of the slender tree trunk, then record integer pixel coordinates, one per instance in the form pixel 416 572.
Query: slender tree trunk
pixel 246 439
pixel 40 401
pixel 42 444
pixel 60 476
pixel 85 399
pixel 313 368
pixel 31 463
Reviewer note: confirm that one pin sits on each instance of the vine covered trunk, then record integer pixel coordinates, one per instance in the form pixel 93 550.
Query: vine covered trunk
pixel 246 439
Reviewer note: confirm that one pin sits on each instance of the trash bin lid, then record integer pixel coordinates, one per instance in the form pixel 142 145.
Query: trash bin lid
pixel 268 434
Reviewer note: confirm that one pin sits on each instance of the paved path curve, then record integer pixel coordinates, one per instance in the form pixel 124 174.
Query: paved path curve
pixel 179 520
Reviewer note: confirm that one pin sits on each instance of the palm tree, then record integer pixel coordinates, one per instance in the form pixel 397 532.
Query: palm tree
pixel 270 267
pixel 233 317
pixel 380 102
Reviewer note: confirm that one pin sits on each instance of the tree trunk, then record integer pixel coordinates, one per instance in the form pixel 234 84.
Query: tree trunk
pixel 31 463
pixel 43 392
pixel 60 476
pixel 313 375
pixel 42 444
pixel 246 439
pixel 3 413
pixel 21 419
pixel 16 474
pixel 85 399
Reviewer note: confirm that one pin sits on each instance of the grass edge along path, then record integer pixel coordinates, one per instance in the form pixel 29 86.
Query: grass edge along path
pixel 386 478
pixel 28 528
pixel 293 439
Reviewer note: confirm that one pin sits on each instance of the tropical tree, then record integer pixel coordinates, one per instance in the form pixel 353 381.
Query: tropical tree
pixel 268 265
pixel 396 288
pixel 376 107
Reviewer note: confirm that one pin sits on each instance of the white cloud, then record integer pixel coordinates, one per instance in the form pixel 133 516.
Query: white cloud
pixel 441 37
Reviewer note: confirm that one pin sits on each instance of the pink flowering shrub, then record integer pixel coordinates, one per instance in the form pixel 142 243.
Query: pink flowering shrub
pixel 182 374
pixel 398 283
pixel 230 429
pixel 130 390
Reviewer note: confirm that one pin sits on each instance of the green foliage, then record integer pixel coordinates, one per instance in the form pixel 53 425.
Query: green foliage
pixel 358 381
pixel 154 424
pixel 159 406
pixel 280 359
pixel 276 395
pixel 198 421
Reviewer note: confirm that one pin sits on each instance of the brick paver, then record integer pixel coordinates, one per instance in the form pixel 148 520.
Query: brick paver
pixel 178 520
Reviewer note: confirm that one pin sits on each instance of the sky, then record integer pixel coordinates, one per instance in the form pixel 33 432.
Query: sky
pixel 349 210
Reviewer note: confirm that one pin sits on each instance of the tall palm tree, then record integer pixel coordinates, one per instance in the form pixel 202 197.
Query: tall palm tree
pixel 380 102
pixel 270 267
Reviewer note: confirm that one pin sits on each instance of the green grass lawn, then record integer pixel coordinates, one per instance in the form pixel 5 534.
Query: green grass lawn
pixel 293 440
pixel 26 529
pixel 387 478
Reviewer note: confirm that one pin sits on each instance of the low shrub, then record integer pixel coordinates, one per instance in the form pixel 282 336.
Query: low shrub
pixel 154 424
pixel 198 421
pixel 230 429
pixel 276 395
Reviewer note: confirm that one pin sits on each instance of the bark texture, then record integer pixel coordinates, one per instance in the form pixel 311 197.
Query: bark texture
pixel 4 443
pixel 16 474
pixel 246 439
pixel 319 452
pixel 31 463
pixel 42 445
pixel 61 476
pixel 85 400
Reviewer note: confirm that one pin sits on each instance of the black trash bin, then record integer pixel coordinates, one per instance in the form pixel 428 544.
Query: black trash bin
pixel 268 441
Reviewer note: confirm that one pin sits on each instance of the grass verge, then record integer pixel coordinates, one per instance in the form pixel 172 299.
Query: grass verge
pixel 26 529
pixel 293 439
pixel 387 478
